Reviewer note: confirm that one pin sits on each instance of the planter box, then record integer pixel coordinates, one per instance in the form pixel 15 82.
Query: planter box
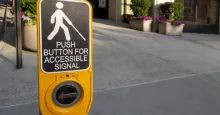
pixel 141 25
pixel 30 37
pixel 169 29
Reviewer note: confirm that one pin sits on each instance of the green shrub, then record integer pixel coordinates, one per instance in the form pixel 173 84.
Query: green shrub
pixel 178 11
pixel 140 7
pixel 28 11
pixel 172 10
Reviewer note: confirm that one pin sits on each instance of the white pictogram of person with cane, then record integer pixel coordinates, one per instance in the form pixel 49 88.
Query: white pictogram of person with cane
pixel 59 15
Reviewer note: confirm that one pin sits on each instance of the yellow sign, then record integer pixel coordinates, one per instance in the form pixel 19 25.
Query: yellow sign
pixel 65 71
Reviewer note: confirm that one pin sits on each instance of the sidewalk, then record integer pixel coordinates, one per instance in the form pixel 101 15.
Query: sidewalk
pixel 135 73
pixel 17 85
pixel 208 40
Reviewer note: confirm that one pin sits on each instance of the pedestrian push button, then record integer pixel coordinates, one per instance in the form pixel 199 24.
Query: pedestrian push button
pixel 67 94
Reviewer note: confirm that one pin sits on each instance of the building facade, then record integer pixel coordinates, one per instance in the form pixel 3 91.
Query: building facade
pixel 201 16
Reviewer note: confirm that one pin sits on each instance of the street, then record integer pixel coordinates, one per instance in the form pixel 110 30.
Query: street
pixel 135 73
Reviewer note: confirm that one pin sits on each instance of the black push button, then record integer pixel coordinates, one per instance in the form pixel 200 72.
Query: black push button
pixel 66 94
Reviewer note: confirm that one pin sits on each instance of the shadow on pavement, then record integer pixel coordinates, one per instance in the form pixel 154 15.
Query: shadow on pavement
pixel 7 60
pixel 9 36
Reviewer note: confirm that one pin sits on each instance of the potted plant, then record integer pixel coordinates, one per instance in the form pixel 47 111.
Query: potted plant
pixel 28 15
pixel 140 20
pixel 170 22
pixel 170 27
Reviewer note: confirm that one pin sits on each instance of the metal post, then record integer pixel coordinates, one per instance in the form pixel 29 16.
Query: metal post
pixel 13 3
pixel 125 10
pixel 4 20
pixel 219 17
pixel 154 27
pixel 18 36
pixel 195 6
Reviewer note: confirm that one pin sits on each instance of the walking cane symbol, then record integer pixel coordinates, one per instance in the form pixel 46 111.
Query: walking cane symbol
pixel 59 15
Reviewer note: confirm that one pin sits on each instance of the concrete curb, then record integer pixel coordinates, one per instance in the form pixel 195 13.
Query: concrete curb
pixel 1 44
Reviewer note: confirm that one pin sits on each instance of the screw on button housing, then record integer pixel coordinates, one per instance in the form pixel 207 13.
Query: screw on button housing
pixel 66 94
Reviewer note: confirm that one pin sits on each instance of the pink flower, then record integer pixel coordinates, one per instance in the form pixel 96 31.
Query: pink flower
pixel 141 17
pixel 161 19
pixel 21 13
pixel 25 18
pixel 146 18
pixel 177 23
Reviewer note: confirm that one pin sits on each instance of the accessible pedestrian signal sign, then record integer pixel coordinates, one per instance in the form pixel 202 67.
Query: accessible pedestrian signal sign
pixel 65 72
pixel 65 36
